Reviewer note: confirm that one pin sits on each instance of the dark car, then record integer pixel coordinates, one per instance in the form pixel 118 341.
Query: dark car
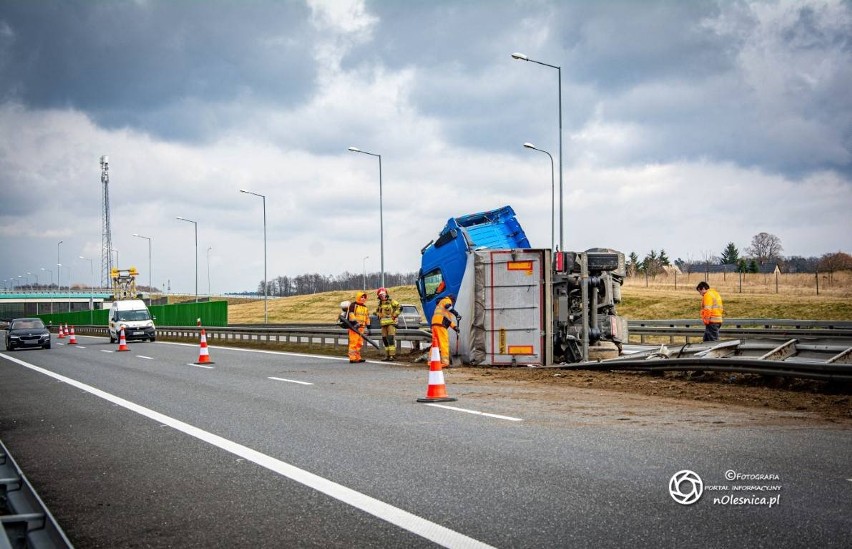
pixel 27 332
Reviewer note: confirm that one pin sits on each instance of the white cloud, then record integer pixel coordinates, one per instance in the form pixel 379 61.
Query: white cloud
pixel 645 161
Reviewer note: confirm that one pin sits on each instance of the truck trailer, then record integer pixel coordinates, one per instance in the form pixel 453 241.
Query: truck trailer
pixel 520 305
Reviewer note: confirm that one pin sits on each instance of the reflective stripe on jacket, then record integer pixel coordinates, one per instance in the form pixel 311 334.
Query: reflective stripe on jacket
pixel 359 313
pixel 387 311
pixel 711 307
pixel 443 318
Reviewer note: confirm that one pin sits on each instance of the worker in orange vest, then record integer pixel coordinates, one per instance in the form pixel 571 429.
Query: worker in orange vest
pixel 443 319
pixel 711 311
pixel 359 317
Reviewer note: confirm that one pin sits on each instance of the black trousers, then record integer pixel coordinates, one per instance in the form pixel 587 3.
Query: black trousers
pixel 711 331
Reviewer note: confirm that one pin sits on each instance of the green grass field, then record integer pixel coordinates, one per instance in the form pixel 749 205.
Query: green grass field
pixel 796 299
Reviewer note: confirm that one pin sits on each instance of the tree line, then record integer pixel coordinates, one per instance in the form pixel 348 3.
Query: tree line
pixel 765 249
pixel 313 283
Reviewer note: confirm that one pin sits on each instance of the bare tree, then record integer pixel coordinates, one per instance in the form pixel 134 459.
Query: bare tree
pixel 765 247
pixel 838 261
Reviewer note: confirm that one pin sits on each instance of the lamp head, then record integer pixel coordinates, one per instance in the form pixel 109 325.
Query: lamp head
pixel 529 146
pixel 355 149
pixel 520 56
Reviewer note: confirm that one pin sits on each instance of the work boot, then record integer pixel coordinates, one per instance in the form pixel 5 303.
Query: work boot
pixel 361 360
pixel 391 358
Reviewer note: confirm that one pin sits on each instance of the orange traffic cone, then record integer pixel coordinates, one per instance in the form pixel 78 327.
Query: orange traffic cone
pixel 437 391
pixel 61 332
pixel 73 340
pixel 204 354
pixel 122 342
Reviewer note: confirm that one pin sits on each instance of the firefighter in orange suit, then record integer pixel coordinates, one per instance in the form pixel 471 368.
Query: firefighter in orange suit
pixel 387 311
pixel 359 317
pixel 443 319
pixel 711 311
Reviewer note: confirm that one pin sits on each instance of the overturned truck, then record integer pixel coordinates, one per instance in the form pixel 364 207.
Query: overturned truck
pixel 520 305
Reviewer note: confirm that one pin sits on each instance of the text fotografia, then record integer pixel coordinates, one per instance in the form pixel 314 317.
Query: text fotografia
pixel 740 500
pixel 733 475
pixel 686 487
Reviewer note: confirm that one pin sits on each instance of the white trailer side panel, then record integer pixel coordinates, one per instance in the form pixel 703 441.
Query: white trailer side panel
pixel 510 304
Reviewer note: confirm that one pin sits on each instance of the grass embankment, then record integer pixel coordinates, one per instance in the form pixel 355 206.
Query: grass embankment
pixel 638 303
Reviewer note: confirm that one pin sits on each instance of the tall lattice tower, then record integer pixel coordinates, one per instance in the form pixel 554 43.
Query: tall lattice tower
pixel 106 235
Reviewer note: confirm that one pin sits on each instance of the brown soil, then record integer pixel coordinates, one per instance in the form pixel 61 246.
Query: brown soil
pixel 801 400
pixel 808 401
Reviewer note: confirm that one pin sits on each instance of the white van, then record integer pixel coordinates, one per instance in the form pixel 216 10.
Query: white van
pixel 134 316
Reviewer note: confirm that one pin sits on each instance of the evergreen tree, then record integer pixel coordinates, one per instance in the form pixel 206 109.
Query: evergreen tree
pixel 730 255
pixel 632 264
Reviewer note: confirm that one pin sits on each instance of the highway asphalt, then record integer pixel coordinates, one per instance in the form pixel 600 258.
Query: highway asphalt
pixel 261 449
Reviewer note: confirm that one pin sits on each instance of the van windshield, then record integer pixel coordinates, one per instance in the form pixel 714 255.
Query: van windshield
pixel 133 315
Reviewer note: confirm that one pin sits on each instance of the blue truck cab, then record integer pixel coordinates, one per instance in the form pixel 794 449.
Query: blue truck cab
pixel 444 260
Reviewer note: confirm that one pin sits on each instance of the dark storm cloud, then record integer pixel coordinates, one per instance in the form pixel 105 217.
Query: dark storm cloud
pixel 161 67
pixel 760 84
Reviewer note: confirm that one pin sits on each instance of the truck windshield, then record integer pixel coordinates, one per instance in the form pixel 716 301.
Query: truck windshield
pixel 133 315
pixel 433 283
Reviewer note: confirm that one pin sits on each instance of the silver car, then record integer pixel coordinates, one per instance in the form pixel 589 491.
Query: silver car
pixel 409 317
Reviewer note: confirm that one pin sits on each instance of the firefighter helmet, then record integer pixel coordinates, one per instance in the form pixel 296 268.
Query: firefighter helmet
pixel 380 292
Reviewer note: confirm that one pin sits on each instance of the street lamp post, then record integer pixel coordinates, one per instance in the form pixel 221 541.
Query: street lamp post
pixel 522 57
pixel 265 290
pixel 50 287
pixel 150 265
pixel 208 272
pixel 552 191
pixel 91 290
pixel 366 257
pixel 195 224
pixel 381 221
pixel 58 266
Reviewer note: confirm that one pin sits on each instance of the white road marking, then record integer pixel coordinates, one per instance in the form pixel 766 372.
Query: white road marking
pixel 105 351
pixel 475 412
pixel 199 365
pixel 145 357
pixel 291 381
pixel 429 530
pixel 80 347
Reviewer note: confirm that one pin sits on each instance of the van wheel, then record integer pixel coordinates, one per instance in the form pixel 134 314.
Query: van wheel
pixel 152 340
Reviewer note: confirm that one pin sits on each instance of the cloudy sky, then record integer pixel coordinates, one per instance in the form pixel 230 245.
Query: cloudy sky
pixel 686 125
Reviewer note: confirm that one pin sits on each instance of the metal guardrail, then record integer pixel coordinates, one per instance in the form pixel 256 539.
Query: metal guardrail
pixel 738 328
pixel 680 329
pixel 301 334
pixel 25 521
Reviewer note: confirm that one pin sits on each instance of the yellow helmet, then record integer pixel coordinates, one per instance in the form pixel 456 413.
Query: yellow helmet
pixel 361 297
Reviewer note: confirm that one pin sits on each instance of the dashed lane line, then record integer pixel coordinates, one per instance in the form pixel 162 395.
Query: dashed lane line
pixel 441 535
pixel 475 412
pixel 290 381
